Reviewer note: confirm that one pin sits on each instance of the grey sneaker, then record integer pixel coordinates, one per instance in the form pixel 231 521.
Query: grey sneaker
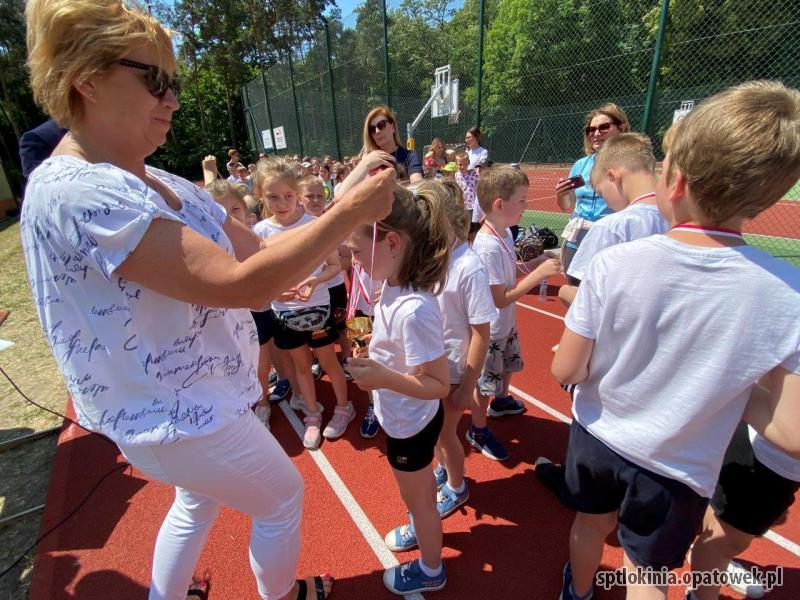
pixel 342 415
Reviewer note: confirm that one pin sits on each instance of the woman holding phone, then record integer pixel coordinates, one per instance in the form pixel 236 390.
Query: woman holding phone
pixel 574 194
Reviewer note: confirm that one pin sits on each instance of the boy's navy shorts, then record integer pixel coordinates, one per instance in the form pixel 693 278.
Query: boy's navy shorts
pixel 750 496
pixel 658 517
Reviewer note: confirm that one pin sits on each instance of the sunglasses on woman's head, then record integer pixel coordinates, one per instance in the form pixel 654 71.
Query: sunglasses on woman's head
pixel 602 128
pixel 158 82
pixel 379 126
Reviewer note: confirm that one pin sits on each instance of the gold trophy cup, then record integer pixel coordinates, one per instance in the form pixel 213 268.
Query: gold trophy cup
pixel 357 329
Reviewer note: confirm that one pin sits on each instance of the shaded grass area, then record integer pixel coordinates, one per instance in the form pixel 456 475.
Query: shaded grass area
pixel 785 248
pixel 24 476
pixel 24 471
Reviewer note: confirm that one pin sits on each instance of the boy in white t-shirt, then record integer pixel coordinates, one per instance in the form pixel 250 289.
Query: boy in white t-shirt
pixel 624 174
pixel 502 193
pixel 668 335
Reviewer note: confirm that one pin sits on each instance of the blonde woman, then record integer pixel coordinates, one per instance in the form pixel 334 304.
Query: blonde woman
pixel 143 283
pixel 380 133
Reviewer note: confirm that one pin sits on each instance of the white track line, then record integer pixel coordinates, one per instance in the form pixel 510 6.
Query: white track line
pixel 539 310
pixel 783 542
pixel 365 526
pixel 773 537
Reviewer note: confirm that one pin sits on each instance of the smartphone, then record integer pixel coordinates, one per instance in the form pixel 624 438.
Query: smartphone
pixel 576 181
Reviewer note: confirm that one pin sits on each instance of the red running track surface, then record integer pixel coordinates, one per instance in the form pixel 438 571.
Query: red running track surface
pixel 509 541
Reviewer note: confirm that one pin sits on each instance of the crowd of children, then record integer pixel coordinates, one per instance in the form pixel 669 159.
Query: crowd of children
pixel 678 335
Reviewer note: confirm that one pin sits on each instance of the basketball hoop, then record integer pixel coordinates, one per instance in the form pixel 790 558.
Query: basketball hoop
pixel 452 118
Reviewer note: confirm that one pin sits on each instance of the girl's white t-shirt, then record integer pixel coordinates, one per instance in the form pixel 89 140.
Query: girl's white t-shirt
pixel 406 332
pixel 142 368
pixel 320 295
pixel 466 300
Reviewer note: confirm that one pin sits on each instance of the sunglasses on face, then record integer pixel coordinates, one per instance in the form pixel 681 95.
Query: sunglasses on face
pixel 158 82
pixel 379 126
pixel 602 128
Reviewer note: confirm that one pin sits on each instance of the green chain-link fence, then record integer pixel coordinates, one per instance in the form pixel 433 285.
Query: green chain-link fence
pixel 545 65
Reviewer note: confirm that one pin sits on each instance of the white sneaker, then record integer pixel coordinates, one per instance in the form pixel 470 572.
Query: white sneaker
pixel 342 415
pixel 312 438
pixel 263 413
pixel 742 580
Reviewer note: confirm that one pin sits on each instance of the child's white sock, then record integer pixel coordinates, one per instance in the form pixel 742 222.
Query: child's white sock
pixel 460 489
pixel 428 571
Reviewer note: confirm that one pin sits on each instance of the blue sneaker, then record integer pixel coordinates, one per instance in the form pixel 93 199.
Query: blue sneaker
pixel 485 442
pixel 440 474
pixel 282 390
pixel 448 500
pixel 402 538
pixel 410 579
pixel 505 405
pixel 370 426
pixel 273 378
pixel 567 591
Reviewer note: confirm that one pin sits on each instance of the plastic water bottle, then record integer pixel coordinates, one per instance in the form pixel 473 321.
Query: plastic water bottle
pixel 543 291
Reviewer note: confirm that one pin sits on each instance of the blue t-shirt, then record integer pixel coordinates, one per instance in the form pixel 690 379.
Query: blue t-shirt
pixel 407 162
pixel 589 204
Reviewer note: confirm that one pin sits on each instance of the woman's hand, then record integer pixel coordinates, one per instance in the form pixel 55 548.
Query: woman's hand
pixel 372 161
pixel 565 195
pixel 367 374
pixel 371 199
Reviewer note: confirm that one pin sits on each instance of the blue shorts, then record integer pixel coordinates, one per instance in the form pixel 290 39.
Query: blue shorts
pixel 658 516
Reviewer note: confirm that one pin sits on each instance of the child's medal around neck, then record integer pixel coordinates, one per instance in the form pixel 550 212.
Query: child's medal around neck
pixel 721 235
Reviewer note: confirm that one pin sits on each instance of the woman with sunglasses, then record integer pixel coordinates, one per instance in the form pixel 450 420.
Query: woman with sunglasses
pixel 582 201
pixel 142 285
pixel 380 133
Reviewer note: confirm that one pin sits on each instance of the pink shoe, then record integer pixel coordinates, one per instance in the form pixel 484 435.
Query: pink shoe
pixel 312 438
pixel 342 415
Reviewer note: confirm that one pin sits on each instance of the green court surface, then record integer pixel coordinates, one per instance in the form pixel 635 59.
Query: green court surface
pixel 784 248
pixel 794 193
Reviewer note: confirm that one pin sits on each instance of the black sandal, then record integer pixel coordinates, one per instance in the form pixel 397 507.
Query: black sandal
pixel 302 588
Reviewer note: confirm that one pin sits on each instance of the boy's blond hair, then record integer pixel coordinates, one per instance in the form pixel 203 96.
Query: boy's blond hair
pixel 669 135
pixel 632 151
pixel 309 180
pixel 460 155
pixel 498 182
pixel 739 149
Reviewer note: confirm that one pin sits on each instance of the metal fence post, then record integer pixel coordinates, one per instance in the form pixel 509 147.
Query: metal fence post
pixel 250 120
pixel 333 93
pixel 480 65
pixel 294 99
pixel 651 86
pixel 269 112
pixel 386 55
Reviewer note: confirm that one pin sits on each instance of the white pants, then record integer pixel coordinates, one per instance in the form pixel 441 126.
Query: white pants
pixel 243 467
